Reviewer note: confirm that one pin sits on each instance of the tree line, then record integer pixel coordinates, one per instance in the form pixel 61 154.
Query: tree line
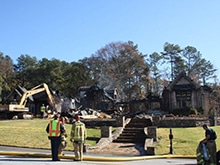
pixel 116 65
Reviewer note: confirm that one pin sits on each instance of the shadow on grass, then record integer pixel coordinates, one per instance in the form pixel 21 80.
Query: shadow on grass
pixel 93 139
pixel 138 147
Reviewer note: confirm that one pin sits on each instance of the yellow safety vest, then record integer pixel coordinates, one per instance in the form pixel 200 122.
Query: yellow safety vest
pixel 54 128
pixel 79 131
pixel 42 109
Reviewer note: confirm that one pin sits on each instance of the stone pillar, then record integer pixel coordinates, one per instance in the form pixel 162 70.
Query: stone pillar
pixel 156 120
pixel 106 131
pixel 149 146
pixel 151 132
pixel 120 121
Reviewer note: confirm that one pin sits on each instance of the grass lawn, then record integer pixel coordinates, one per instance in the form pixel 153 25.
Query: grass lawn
pixel 32 133
pixel 185 140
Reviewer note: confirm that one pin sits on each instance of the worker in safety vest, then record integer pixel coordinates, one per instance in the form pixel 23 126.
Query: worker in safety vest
pixel 78 136
pixel 55 128
pixel 42 110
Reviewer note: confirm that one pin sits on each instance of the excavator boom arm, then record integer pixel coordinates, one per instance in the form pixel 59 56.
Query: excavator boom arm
pixel 35 90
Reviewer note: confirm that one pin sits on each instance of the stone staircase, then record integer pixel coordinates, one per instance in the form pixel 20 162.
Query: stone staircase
pixel 133 132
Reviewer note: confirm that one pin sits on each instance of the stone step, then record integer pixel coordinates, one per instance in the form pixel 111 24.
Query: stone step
pixel 124 141
pixel 133 132
pixel 128 134
pixel 137 125
pixel 133 128
pixel 127 137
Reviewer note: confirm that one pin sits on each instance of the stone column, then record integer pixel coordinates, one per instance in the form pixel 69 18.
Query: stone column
pixel 156 120
pixel 106 131
pixel 151 132
pixel 120 121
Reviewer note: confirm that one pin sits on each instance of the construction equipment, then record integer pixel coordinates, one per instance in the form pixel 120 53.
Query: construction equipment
pixel 20 107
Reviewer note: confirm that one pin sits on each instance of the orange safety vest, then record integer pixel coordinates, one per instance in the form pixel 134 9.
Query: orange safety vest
pixel 54 128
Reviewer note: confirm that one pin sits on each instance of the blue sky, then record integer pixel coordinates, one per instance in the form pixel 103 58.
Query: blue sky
pixel 70 30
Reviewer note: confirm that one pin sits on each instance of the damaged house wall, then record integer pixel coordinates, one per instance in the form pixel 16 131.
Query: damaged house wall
pixel 98 98
pixel 183 93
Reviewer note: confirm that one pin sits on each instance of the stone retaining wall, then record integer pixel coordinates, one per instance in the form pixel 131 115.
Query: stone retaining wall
pixel 151 131
pixel 180 121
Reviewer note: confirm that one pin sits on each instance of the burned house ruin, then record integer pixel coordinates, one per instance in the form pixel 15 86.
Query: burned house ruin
pixel 98 98
pixel 183 94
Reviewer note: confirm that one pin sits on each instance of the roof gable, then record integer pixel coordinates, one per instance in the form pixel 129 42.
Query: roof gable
pixel 183 82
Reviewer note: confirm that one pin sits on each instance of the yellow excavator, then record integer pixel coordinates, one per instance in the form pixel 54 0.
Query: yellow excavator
pixel 20 107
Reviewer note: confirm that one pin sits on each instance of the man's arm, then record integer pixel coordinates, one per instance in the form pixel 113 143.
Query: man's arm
pixel 85 132
pixel 47 129
pixel 208 135
pixel 72 133
pixel 62 128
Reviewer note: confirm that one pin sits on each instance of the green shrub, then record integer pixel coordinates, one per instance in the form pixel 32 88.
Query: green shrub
pixel 201 110
pixel 193 112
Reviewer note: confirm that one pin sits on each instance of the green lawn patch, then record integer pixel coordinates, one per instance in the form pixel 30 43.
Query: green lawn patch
pixel 32 133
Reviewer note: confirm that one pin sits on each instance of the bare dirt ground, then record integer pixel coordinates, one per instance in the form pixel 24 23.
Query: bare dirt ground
pixel 120 149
